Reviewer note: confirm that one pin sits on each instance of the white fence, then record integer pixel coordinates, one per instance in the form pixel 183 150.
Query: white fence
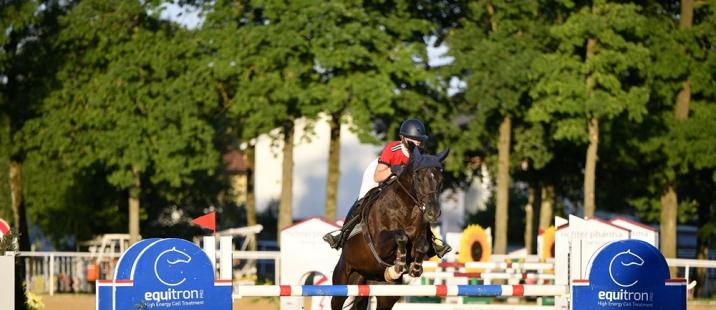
pixel 50 272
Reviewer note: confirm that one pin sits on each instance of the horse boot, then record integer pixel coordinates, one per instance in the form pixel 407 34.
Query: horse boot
pixel 337 241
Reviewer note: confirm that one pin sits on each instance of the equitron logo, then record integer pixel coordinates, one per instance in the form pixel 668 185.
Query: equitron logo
pixel 625 259
pixel 168 266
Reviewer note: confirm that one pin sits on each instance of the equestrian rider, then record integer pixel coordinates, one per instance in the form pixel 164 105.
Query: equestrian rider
pixel 392 160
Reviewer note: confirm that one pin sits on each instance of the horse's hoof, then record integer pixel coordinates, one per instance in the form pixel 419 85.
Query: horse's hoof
pixel 416 270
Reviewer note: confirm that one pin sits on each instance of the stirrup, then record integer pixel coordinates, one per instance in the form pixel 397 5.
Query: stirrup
pixel 333 241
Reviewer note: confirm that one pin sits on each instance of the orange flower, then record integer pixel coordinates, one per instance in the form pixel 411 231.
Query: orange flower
pixel 475 245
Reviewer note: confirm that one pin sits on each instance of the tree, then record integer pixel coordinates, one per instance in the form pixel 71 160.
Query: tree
pixel 124 102
pixel 263 70
pixel 25 67
pixel 365 56
pixel 493 48
pixel 596 73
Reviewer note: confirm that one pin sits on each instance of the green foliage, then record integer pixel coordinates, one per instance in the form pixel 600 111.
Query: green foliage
pixel 494 45
pixel 617 67
pixel 8 242
pixel 102 89
pixel 678 152
pixel 125 101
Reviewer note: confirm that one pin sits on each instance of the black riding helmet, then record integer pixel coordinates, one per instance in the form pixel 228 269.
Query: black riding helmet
pixel 414 129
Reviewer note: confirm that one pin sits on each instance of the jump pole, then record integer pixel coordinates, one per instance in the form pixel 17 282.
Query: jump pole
pixel 400 290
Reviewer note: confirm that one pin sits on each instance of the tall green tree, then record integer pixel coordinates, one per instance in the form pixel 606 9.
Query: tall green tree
pixel 676 143
pixel 26 30
pixel 365 54
pixel 494 46
pixel 124 102
pixel 595 73
pixel 263 70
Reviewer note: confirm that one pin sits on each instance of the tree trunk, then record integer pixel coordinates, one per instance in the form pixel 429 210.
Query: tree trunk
pixel 134 193
pixel 593 132
pixel 20 222
pixel 669 213
pixel 546 210
pixel 334 164
pixel 18 205
pixel 250 193
pixel 669 200
pixel 590 169
pixel 503 184
pixel 683 99
pixel 285 213
pixel 529 220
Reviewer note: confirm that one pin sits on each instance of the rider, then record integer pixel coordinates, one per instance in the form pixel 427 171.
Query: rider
pixel 392 160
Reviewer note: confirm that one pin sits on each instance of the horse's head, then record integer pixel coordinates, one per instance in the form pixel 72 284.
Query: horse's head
pixel 427 179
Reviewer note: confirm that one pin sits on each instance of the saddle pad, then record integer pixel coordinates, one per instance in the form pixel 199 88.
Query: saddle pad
pixel 356 230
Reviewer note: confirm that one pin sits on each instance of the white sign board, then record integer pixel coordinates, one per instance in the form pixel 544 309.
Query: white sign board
pixel 561 255
pixel 305 257
pixel 586 237
pixel 638 230
pixel 7 285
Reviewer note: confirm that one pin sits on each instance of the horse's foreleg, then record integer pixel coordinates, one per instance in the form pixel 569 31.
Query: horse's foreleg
pixel 420 248
pixel 340 276
pixel 386 302
pixel 400 239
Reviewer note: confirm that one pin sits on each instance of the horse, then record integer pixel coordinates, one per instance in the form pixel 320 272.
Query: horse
pixel 394 231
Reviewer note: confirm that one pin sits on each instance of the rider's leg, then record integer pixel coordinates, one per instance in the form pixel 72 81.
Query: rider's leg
pixel 441 248
pixel 351 220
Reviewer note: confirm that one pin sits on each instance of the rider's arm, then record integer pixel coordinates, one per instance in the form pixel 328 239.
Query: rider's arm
pixel 382 172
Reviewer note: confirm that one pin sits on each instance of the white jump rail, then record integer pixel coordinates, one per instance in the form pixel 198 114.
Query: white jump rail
pixel 490 265
pixel 399 290
pixel 487 275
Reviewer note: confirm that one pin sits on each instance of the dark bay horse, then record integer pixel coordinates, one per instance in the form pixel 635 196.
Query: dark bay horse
pixel 394 231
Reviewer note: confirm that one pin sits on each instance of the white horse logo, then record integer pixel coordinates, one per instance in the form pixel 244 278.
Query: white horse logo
pixel 626 259
pixel 176 257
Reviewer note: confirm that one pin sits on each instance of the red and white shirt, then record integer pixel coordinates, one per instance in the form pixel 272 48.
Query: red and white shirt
pixel 394 153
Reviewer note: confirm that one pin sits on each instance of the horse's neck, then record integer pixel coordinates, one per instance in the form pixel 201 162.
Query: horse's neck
pixel 408 214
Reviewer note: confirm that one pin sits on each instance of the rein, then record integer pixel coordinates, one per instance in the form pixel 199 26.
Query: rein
pixel 368 239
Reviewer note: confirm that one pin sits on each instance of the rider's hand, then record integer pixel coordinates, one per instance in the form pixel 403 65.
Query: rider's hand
pixel 397 169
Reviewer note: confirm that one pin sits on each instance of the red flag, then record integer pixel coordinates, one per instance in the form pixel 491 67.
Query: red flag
pixel 206 221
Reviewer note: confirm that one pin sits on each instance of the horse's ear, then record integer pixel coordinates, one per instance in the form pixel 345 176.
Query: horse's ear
pixel 443 154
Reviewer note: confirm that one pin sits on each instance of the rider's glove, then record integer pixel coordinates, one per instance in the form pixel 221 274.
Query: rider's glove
pixel 397 169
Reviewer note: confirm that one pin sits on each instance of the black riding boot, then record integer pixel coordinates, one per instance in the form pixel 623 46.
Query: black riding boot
pixel 352 219
pixel 441 248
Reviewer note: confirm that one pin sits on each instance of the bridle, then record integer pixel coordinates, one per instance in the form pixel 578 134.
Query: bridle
pixel 420 203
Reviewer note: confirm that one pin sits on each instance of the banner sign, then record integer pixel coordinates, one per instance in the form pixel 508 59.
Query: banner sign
pixel 629 274
pixel 164 274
